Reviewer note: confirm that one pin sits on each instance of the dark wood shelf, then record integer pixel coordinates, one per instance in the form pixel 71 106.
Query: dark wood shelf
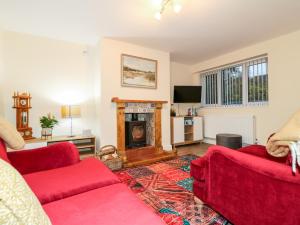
pixel 85 144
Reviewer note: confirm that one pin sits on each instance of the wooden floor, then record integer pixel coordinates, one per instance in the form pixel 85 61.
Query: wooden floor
pixel 196 149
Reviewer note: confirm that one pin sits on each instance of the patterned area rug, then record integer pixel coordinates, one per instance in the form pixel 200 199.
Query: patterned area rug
pixel 167 188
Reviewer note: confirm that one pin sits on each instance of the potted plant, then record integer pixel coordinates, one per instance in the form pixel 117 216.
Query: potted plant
pixel 47 124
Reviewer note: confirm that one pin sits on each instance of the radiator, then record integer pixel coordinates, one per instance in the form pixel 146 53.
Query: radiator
pixel 235 124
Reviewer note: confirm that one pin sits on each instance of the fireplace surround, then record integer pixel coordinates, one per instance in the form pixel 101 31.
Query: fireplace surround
pixel 153 107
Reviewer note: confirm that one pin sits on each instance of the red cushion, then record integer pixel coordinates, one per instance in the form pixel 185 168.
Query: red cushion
pixel 63 182
pixel 44 158
pixel 111 205
pixel 3 154
pixel 261 151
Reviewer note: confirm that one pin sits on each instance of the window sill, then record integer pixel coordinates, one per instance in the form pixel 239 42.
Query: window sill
pixel 261 104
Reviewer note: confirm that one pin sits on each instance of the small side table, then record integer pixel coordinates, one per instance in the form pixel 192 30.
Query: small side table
pixel 233 141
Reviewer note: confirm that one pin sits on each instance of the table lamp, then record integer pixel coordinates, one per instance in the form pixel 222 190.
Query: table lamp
pixel 70 111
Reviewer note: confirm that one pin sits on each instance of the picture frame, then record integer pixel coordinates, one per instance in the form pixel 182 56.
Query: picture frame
pixel 138 72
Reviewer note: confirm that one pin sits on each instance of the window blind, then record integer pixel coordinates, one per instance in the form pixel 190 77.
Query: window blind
pixel 210 88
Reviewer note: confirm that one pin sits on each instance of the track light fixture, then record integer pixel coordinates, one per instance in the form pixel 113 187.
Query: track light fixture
pixel 164 4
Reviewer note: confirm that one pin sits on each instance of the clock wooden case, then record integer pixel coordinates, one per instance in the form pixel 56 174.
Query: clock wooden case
pixel 22 104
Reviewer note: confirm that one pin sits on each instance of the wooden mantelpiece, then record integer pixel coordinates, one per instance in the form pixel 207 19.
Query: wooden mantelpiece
pixel 127 157
pixel 117 100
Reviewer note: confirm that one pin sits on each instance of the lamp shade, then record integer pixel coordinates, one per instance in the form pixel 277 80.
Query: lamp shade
pixel 70 111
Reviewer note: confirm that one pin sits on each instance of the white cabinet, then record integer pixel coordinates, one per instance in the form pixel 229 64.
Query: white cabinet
pixel 186 130
pixel 198 128
pixel 178 130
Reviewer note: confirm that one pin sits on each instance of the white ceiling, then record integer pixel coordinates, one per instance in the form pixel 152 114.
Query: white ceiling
pixel 204 28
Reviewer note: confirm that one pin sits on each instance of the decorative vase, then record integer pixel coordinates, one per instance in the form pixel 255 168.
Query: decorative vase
pixel 46 132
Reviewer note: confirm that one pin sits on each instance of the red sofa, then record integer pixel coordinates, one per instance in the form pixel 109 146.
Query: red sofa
pixel 248 186
pixel 75 192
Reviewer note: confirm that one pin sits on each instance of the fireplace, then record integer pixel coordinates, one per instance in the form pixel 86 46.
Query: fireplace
pixel 147 131
pixel 139 130
pixel 135 134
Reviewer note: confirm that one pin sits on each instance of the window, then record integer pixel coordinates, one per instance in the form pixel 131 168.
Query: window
pixel 257 81
pixel 240 84
pixel 211 88
pixel 232 85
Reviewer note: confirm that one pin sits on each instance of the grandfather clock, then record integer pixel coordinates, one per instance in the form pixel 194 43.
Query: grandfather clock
pixel 22 104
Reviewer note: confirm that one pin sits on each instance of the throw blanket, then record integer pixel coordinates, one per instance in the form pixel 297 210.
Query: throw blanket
pixel 287 139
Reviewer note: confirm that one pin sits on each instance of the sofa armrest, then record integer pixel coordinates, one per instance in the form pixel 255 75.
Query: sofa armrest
pixel 45 158
pixel 198 167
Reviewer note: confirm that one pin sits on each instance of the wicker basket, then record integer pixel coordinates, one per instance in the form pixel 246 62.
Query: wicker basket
pixel 108 154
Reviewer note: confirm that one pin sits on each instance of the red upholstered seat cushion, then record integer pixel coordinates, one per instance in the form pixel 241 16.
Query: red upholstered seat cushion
pixel 3 154
pixel 55 184
pixel 111 205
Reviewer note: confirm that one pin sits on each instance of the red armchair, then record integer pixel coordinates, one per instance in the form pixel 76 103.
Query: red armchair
pixel 248 187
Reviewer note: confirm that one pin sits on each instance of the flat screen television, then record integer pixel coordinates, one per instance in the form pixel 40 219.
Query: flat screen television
pixel 187 94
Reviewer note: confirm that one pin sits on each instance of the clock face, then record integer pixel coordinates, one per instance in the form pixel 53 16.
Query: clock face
pixel 23 102
pixel 27 133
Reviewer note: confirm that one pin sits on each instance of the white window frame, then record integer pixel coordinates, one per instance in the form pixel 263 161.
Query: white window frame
pixel 245 76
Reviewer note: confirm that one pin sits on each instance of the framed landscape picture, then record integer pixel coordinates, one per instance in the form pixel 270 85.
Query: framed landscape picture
pixel 138 72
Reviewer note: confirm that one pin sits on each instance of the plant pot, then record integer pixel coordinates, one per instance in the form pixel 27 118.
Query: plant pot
pixel 46 132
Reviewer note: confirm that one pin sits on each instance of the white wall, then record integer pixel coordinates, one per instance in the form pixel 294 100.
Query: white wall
pixel 58 72
pixel 54 72
pixel 96 63
pixel 284 79
pixel 111 51
pixel 181 74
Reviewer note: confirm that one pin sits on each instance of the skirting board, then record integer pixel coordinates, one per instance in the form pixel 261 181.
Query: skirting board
pixel 167 148
pixel 213 142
